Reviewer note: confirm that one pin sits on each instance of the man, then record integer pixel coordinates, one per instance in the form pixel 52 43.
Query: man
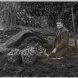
pixel 61 40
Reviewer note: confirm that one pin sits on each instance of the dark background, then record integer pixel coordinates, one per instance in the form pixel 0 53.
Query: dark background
pixel 15 13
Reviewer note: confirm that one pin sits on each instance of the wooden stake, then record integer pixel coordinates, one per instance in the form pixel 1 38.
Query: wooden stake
pixel 73 26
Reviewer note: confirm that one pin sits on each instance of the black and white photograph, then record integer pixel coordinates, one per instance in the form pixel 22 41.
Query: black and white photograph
pixel 38 38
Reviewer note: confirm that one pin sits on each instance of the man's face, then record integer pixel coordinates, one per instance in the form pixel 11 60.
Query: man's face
pixel 59 25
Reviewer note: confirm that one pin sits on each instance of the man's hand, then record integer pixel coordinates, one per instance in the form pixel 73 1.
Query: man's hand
pixel 54 50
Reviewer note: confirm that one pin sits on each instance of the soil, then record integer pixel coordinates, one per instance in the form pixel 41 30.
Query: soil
pixel 66 67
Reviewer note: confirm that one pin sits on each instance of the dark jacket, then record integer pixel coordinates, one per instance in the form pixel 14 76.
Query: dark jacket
pixel 61 39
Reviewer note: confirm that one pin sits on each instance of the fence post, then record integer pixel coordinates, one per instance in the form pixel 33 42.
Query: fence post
pixel 73 26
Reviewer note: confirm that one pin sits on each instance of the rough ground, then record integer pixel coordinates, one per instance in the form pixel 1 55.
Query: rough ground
pixel 66 67
pixel 53 68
